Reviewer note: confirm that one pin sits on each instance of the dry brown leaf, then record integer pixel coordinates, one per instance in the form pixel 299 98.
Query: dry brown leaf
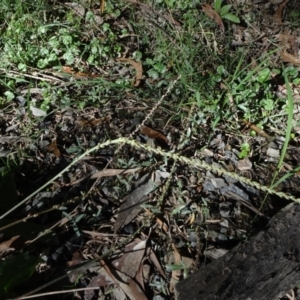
pixel 76 74
pixel 131 205
pixel 10 244
pixel 294 45
pixel 126 284
pixel 53 148
pixel 211 13
pixel 287 57
pixel 288 41
pixel 104 265
pixel 139 276
pixel 283 38
pixel 113 172
pixel 134 291
pixel 129 263
pixel 253 63
pixel 279 12
pixel 154 134
pixel 106 173
pixel 100 280
pixel 156 263
pixel 138 69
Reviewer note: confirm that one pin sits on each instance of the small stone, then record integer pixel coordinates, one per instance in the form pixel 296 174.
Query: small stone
pixel 244 164
pixel 273 152
pixel 218 182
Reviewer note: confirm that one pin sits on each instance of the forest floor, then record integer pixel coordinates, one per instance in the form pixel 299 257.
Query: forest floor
pixel 141 140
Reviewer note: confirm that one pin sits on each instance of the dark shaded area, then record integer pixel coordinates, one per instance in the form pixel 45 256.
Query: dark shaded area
pixel 265 267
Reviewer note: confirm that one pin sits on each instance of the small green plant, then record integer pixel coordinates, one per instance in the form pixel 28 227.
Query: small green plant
pixel 223 11
pixel 245 150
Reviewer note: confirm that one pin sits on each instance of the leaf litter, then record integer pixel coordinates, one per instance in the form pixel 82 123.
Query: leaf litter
pixel 198 204
pixel 131 205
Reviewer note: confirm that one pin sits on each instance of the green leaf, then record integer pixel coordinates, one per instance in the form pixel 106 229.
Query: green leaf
pixel 225 9
pixel 9 95
pixel 264 75
pixel 268 104
pixel 245 150
pixel 221 70
pixel 170 268
pixel 15 271
pixel 231 17
pixel 217 5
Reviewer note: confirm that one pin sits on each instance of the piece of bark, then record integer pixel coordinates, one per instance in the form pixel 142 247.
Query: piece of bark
pixel 266 267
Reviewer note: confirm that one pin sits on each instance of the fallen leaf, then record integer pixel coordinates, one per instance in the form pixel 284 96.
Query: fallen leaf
pixel 133 291
pixel 100 280
pixel 211 13
pixel 76 74
pixel 53 148
pixel 113 172
pixel 129 263
pixel 138 69
pixel 139 276
pixel 287 57
pixel 154 134
pixel 131 205
pixel 283 38
pixel 123 284
pixel 107 173
pixel 156 263
pixel 279 12
pixel 288 41
pixel 11 244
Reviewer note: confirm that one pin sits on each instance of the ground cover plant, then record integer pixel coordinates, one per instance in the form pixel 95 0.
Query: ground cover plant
pixel 140 140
